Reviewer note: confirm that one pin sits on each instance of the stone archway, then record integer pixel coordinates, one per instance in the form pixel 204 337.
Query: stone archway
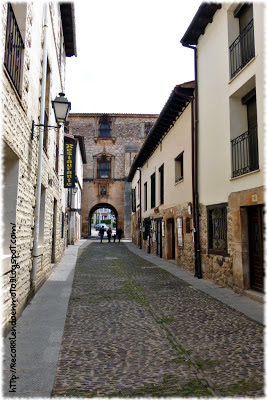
pixel 96 207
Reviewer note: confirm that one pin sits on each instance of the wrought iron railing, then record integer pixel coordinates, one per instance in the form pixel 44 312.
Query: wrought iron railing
pixel 242 50
pixel 13 49
pixel 245 153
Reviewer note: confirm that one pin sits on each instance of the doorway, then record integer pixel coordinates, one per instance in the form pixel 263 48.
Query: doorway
pixel 54 229
pixel 255 235
pixel 170 239
pixel 159 238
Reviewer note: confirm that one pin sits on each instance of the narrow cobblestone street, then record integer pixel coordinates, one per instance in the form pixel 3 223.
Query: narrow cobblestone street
pixel 134 330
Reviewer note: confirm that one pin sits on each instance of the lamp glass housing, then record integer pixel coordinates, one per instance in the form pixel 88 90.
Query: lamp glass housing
pixel 61 107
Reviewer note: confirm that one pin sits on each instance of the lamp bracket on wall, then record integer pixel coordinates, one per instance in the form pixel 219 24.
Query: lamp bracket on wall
pixel 38 126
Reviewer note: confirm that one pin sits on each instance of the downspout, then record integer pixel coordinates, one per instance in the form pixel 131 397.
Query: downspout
pixel 198 268
pixel 140 227
pixel 40 156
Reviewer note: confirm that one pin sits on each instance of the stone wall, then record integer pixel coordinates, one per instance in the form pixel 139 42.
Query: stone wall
pixel 184 254
pixel 18 111
pixel 232 270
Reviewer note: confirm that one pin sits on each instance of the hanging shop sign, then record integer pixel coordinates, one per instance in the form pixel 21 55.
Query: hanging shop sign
pixel 133 201
pixel 180 231
pixel 69 162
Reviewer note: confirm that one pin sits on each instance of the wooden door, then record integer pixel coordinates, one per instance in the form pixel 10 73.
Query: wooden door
pixel 159 238
pixel 255 223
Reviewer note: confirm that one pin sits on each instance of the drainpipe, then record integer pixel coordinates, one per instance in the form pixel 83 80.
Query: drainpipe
pixel 40 157
pixel 198 268
pixel 140 228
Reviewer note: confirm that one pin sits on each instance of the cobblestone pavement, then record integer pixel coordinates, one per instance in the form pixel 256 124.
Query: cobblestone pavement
pixel 134 330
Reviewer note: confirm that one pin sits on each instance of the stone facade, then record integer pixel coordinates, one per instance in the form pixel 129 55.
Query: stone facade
pixel 20 106
pixel 115 150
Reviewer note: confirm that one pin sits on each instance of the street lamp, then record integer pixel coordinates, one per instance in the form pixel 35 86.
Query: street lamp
pixel 61 107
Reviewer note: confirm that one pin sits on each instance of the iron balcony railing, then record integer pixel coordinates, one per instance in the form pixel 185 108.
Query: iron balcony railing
pixel 245 153
pixel 13 49
pixel 242 50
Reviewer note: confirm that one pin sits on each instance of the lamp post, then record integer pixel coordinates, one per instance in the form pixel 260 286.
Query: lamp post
pixel 61 107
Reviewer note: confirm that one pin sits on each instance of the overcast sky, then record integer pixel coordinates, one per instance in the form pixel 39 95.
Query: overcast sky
pixel 129 54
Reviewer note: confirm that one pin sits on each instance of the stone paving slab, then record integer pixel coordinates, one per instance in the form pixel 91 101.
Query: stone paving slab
pixel 135 330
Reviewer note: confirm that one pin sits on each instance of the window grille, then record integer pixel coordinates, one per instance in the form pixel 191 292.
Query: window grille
pixel 13 49
pixel 217 229
pixel 245 153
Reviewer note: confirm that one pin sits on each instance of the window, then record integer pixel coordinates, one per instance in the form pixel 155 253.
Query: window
pixel 148 127
pixel 179 167
pixel 245 146
pixel 153 190
pixel 217 229
pixel 62 224
pixel 242 50
pixel 103 170
pixel 138 192
pixel 145 196
pixel 14 48
pixel 47 106
pixel 45 138
pixel 104 130
pixel 56 160
pixel 161 183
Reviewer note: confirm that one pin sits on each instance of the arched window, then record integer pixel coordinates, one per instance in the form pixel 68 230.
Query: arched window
pixel 104 130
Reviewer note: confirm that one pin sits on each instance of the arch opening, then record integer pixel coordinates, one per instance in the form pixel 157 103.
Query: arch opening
pixel 97 207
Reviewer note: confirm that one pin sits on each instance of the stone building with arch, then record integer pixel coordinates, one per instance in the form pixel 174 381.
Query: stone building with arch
pixel 111 142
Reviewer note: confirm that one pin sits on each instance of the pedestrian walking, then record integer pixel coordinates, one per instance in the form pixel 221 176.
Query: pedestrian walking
pixel 114 237
pixel 119 233
pixel 101 233
pixel 109 233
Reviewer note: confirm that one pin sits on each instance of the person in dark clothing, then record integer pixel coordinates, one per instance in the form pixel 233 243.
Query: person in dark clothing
pixel 109 233
pixel 114 237
pixel 119 233
pixel 101 233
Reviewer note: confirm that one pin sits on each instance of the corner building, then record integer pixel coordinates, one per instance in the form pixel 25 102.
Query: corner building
pixel 111 143
pixel 229 41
